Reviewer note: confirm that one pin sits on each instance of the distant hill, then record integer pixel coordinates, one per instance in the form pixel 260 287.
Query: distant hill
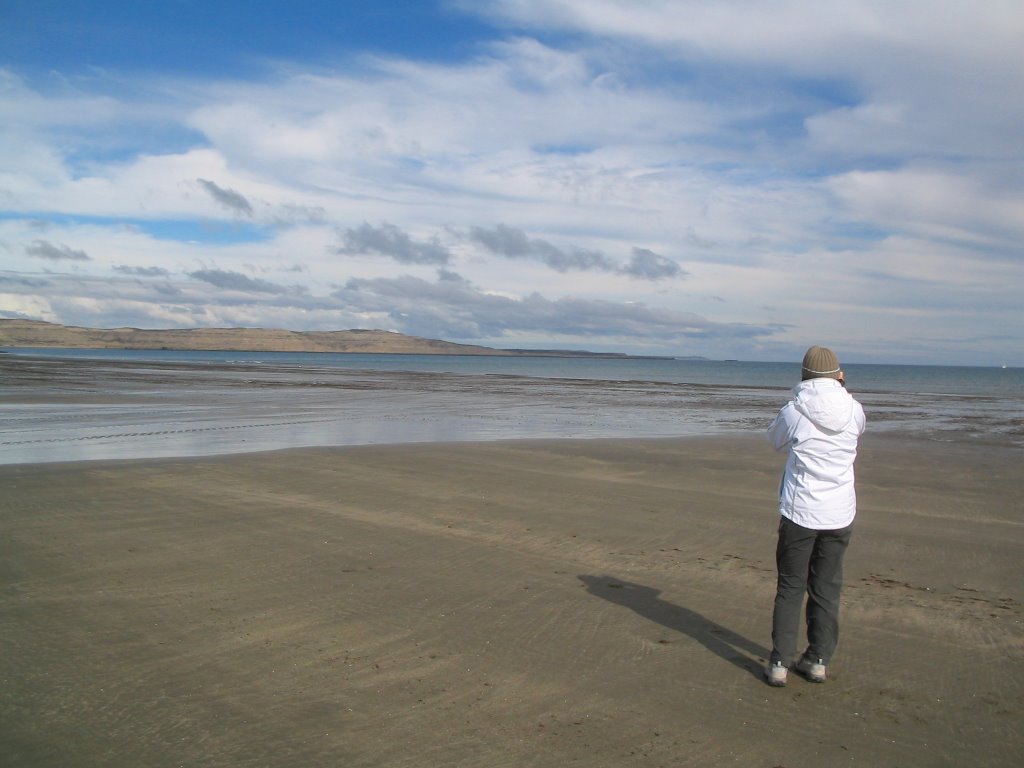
pixel 35 333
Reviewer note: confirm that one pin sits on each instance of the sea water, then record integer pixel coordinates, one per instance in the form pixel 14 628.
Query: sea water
pixel 910 379
pixel 58 405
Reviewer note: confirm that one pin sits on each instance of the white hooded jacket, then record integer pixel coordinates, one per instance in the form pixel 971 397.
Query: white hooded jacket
pixel 821 425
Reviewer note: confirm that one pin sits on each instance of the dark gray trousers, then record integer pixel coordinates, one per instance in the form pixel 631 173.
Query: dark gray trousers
pixel 809 562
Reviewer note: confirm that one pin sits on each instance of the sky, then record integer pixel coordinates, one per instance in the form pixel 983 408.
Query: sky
pixel 736 179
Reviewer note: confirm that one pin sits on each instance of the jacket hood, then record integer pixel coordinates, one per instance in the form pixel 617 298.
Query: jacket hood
pixel 825 402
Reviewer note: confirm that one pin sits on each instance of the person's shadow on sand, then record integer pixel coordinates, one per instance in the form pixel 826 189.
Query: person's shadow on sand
pixel 720 641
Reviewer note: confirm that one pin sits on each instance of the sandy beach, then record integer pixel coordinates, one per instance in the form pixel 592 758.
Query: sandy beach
pixel 525 603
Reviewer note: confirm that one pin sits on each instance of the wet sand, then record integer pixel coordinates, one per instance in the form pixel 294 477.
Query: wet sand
pixel 530 603
pixel 66 409
pixel 54 409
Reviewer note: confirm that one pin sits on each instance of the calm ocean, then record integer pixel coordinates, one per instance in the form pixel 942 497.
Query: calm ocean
pixel 908 379
pixel 73 404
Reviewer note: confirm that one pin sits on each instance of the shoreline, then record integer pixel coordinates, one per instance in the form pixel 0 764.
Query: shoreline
pixel 992 451
pixel 65 410
pixel 536 602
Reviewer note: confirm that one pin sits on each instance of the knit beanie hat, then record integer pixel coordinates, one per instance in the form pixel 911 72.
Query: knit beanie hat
pixel 820 363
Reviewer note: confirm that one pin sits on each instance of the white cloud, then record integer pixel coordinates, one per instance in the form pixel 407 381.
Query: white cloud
pixel 939 204
pixel 631 171
pixel 927 75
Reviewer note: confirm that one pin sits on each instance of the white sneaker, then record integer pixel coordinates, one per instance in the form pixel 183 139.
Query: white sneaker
pixel 775 674
pixel 812 669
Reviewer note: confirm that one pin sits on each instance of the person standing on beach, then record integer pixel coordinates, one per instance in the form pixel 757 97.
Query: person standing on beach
pixel 817 504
